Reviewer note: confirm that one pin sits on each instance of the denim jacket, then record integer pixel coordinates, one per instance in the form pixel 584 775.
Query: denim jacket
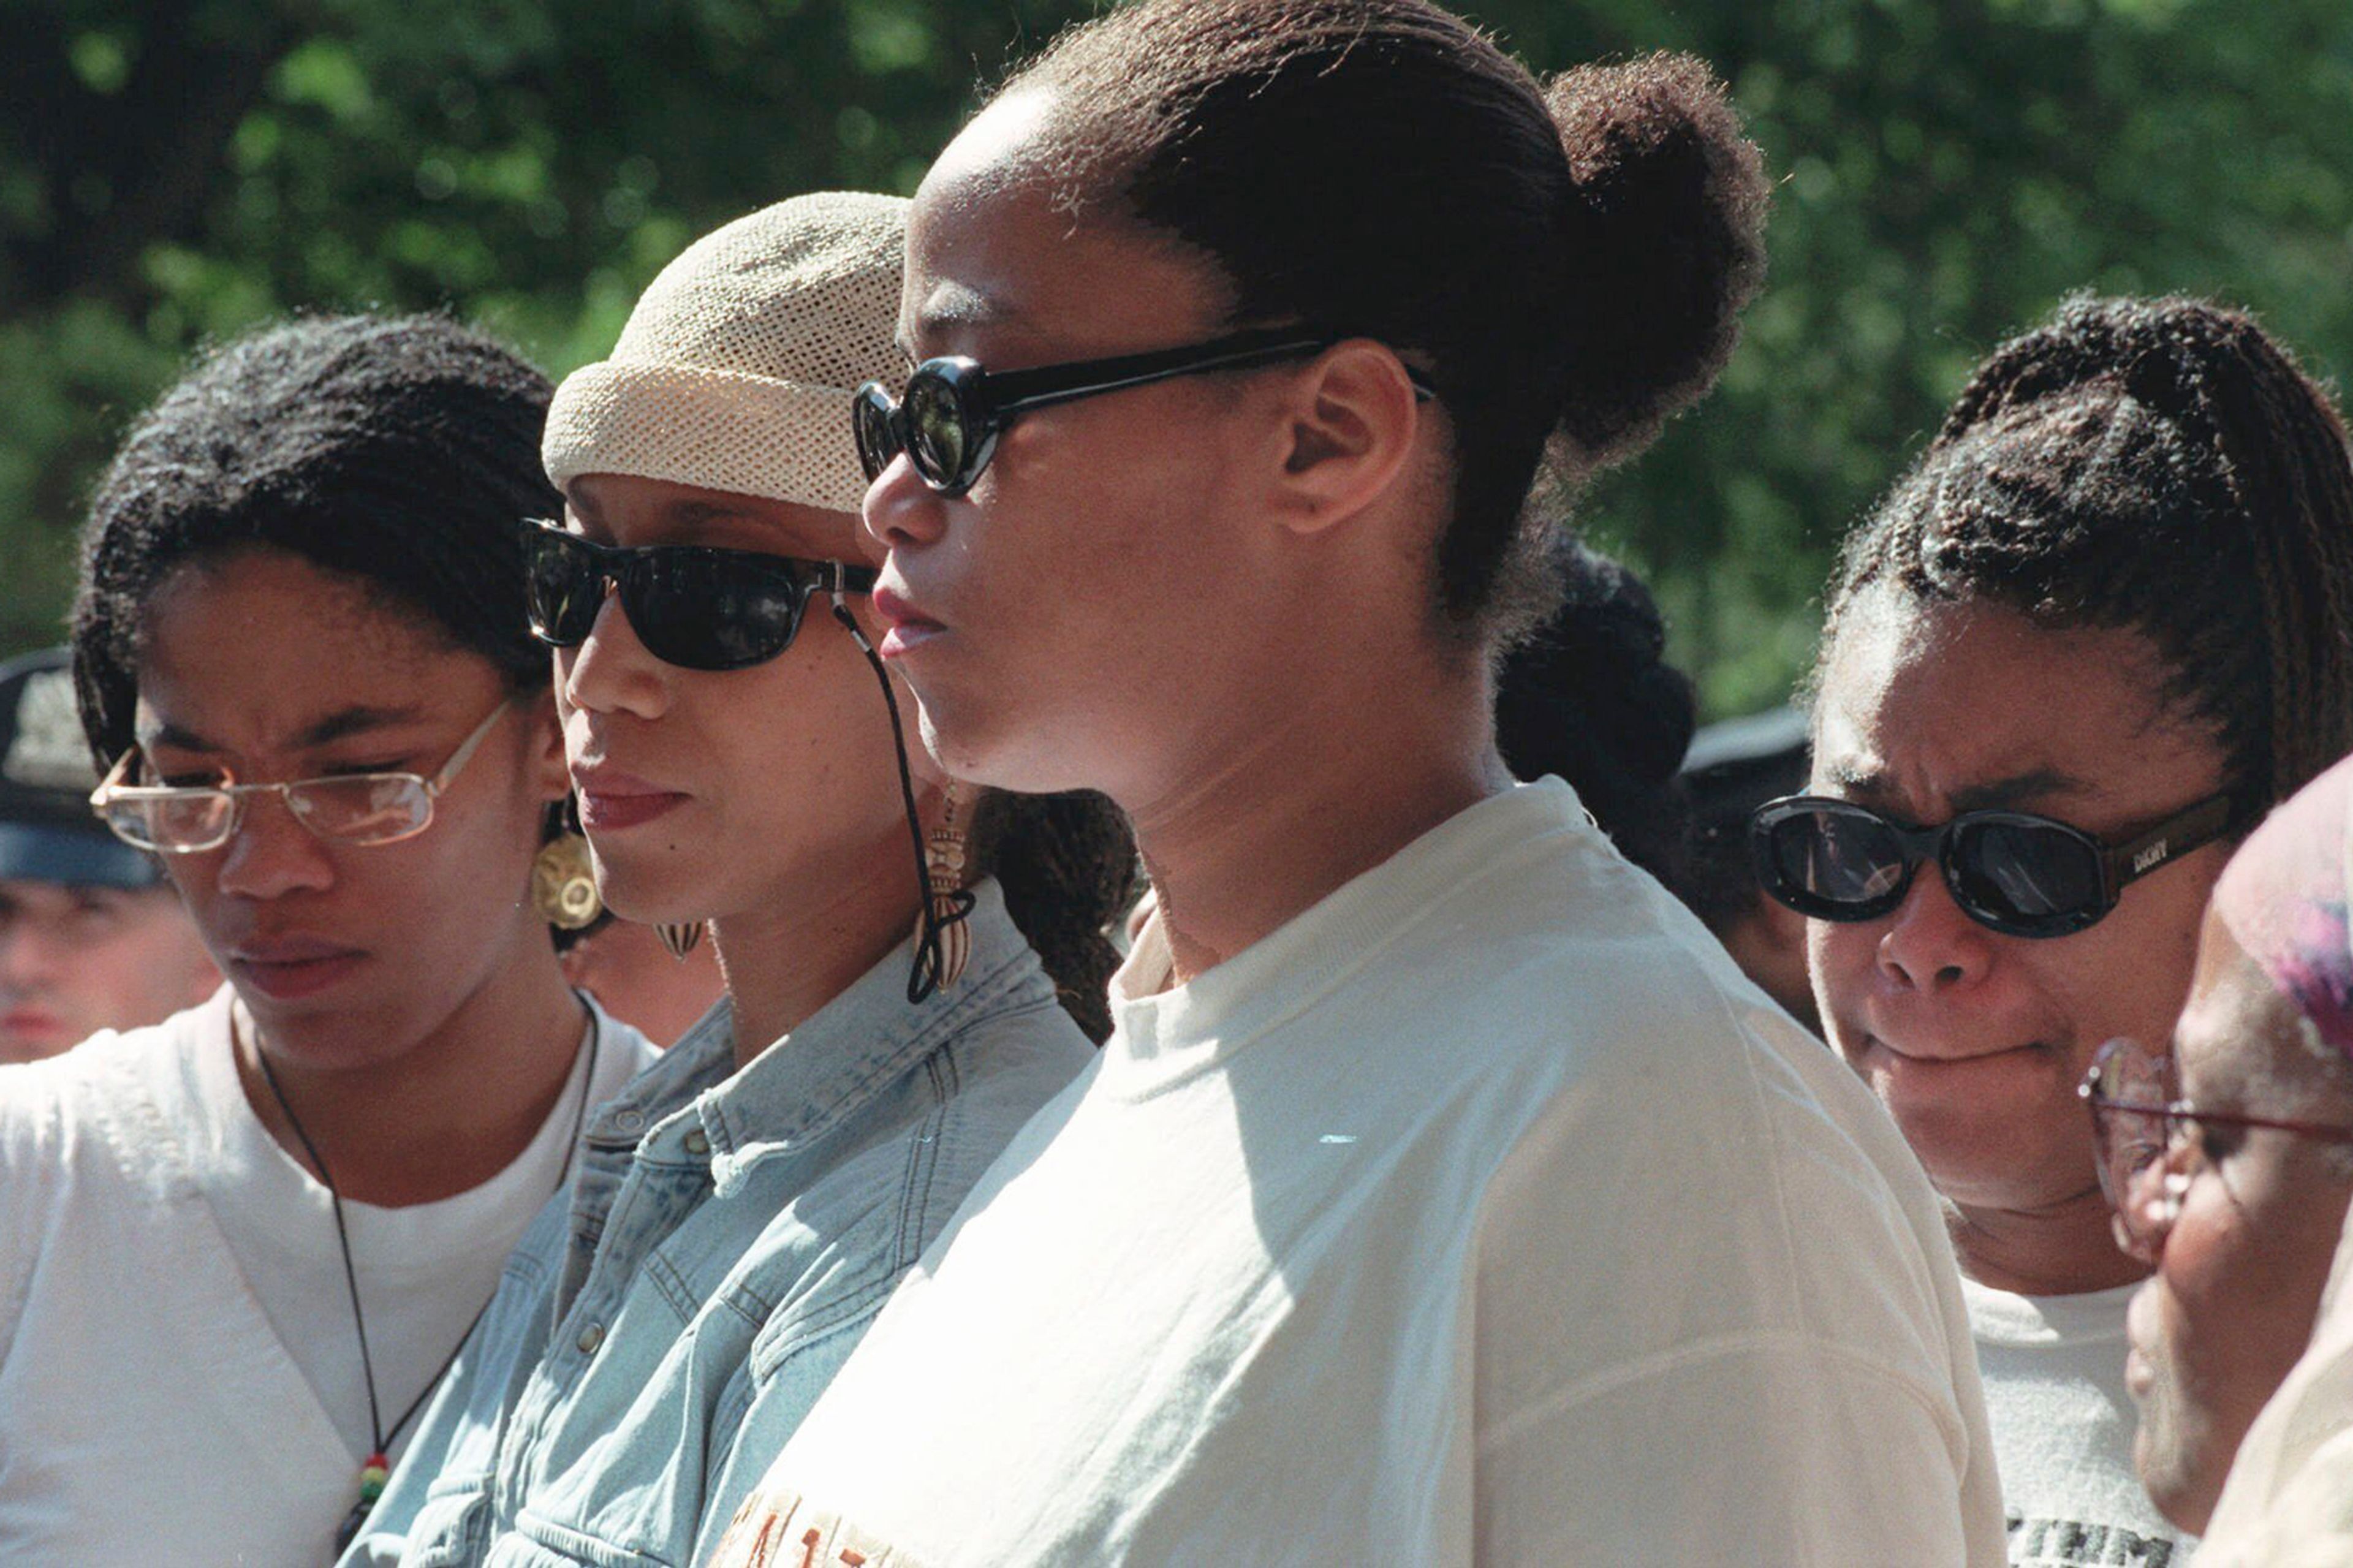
pixel 727 1239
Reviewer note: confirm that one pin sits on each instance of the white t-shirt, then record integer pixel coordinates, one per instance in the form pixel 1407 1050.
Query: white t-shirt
pixel 2063 1429
pixel 179 1370
pixel 1484 1212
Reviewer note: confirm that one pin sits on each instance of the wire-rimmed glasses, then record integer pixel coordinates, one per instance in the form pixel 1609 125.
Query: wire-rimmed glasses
pixel 347 808
pixel 2150 1143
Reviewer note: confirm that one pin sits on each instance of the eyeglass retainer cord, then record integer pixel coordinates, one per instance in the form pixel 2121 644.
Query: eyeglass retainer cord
pixel 923 977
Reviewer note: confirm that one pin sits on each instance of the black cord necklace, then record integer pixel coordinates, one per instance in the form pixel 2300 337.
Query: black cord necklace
pixel 941 908
pixel 378 1468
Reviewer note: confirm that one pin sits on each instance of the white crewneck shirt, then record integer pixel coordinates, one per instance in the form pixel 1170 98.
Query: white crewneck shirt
pixel 1483 1213
pixel 180 1377
pixel 2063 1429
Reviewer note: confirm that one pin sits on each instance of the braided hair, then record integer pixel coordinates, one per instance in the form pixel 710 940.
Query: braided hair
pixel 1067 863
pixel 2157 466
pixel 395 452
pixel 1566 261
pixel 1589 695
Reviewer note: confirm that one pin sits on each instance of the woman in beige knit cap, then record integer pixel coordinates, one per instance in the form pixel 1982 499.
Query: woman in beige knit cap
pixel 745 1207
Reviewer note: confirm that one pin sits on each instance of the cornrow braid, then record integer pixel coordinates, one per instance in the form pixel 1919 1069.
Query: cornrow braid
pixel 2158 466
pixel 1067 863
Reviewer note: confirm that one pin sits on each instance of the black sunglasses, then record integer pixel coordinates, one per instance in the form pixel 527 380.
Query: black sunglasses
pixel 695 607
pixel 2010 871
pixel 724 609
pixel 949 419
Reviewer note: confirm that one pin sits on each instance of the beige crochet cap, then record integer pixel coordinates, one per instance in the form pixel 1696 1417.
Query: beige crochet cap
pixel 737 368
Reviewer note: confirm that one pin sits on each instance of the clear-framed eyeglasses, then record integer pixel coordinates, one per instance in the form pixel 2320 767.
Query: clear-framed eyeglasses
pixel 345 808
pixel 2151 1144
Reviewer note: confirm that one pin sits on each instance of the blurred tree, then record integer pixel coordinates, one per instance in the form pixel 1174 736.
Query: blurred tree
pixel 178 169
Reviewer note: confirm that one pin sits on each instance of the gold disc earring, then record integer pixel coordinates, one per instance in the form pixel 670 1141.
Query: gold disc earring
pixel 564 884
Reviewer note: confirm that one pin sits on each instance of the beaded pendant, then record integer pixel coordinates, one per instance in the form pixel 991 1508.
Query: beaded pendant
pixel 372 1475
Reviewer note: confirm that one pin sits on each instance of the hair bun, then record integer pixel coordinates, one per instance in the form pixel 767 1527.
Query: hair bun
pixel 1665 236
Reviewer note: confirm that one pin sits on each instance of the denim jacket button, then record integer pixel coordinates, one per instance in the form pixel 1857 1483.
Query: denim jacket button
pixel 697 1142
pixel 590 1337
pixel 628 1120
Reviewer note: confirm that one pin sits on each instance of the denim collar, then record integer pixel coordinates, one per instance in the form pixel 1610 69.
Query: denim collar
pixel 803 1086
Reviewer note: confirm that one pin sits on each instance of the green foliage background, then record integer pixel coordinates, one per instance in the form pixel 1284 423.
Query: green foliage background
pixel 179 169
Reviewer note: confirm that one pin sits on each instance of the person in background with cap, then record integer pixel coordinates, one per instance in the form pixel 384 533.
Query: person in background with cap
pixel 744 767
pixel 90 936
pixel 1735 766
pixel 2243 1220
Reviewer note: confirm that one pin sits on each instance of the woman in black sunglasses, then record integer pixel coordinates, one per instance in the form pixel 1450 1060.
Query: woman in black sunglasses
pixel 239 1250
pixel 911 965
pixel 2101 627
pixel 1438 1196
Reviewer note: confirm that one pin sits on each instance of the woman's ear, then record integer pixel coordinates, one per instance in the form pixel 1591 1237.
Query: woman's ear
pixel 551 773
pixel 1352 420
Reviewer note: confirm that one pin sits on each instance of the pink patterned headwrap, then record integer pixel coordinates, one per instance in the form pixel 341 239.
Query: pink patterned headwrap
pixel 2289 1501
pixel 2284 896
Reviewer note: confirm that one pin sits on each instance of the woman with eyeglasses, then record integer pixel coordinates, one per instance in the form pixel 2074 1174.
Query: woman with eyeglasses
pixel 2105 622
pixel 1444 1194
pixel 239 1250
pixel 2230 1164
pixel 911 964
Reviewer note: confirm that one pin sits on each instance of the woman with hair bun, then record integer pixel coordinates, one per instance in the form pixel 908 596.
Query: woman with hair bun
pixel 239 1250
pixel 2100 628
pixel 1443 1193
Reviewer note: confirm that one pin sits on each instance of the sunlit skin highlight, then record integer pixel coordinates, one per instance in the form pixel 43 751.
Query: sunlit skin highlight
pixel 1976 1041
pixel 1211 598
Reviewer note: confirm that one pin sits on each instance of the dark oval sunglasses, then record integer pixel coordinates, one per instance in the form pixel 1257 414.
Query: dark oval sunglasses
pixel 2010 871
pixel 949 419
pixel 692 606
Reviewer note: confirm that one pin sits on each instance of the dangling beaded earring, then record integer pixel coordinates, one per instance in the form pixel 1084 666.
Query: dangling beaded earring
pixel 946 901
pixel 564 884
pixel 679 938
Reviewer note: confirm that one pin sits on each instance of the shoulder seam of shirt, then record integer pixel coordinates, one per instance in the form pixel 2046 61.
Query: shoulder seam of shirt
pixel 1767 1123
pixel 1722 1346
